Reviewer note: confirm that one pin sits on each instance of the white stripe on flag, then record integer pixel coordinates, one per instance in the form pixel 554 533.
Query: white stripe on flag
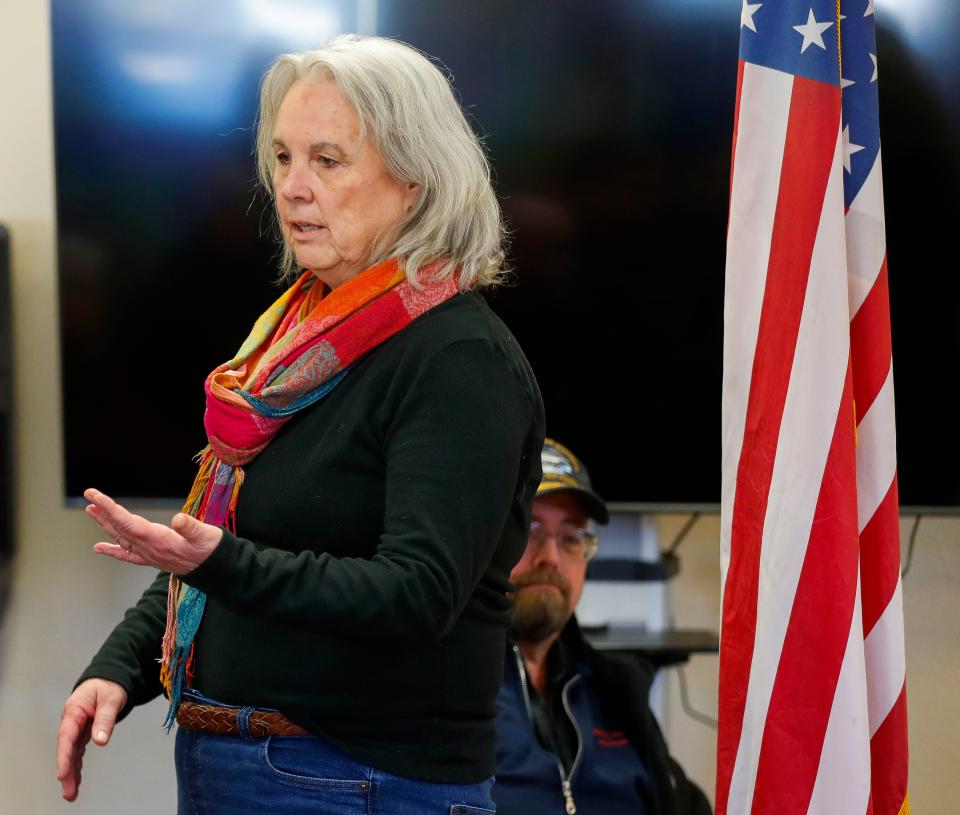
pixel 876 452
pixel 764 111
pixel 806 432
pixel 886 660
pixel 866 239
pixel 843 777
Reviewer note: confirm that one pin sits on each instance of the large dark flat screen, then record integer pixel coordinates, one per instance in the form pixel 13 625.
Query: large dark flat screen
pixel 609 126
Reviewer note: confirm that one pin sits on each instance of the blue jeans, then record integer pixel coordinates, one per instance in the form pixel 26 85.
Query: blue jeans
pixel 297 775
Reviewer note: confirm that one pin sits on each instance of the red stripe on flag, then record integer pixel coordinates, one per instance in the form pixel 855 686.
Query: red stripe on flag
pixel 736 123
pixel 888 753
pixel 809 148
pixel 870 344
pixel 817 634
pixel 880 558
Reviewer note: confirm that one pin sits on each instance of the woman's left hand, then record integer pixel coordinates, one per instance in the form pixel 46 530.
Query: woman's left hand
pixel 178 548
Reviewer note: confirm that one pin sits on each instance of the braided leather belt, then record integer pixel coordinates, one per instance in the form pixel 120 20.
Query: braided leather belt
pixel 225 721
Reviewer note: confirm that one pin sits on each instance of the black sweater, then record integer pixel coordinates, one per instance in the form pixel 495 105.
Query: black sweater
pixel 364 594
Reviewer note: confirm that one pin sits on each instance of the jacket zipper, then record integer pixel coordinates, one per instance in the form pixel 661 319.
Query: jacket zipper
pixel 567 793
pixel 565 780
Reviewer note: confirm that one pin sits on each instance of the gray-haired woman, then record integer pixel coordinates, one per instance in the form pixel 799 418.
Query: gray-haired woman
pixel 332 604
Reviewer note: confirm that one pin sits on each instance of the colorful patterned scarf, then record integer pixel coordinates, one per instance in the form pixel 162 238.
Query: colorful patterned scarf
pixel 298 351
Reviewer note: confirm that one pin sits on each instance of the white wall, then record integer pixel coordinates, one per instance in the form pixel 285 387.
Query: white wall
pixel 65 597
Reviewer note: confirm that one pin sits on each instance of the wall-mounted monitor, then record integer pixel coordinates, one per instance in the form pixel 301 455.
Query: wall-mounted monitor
pixel 609 127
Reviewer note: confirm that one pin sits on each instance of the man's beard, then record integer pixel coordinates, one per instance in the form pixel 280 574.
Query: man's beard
pixel 540 612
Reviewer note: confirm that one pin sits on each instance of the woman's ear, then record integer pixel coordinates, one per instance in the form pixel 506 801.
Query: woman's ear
pixel 412 194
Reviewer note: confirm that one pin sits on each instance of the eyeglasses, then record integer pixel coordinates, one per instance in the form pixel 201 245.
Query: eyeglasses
pixel 573 542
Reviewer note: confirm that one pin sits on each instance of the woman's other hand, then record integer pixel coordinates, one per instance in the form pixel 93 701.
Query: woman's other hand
pixel 178 548
pixel 91 710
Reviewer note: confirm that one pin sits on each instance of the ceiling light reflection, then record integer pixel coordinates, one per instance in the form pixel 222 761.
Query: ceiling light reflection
pixel 299 23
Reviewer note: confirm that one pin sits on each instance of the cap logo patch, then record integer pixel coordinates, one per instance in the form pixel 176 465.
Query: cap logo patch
pixel 554 463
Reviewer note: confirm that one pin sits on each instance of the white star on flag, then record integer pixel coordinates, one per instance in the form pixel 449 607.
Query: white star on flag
pixel 812 32
pixel 746 15
pixel 846 83
pixel 874 77
pixel 849 148
pixel 869 10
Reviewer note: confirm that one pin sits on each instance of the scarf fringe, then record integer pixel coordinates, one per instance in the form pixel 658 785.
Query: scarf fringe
pixel 207 463
pixel 182 677
pixel 184 603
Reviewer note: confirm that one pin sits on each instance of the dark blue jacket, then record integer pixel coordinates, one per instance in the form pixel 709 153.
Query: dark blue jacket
pixel 622 768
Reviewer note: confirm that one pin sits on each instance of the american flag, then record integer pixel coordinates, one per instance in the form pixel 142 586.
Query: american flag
pixel 812 666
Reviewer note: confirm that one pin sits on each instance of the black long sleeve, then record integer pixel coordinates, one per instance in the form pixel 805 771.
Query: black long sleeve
pixel 364 593
pixel 131 654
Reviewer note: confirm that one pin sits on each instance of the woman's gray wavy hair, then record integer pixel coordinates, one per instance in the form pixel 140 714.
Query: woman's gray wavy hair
pixel 408 108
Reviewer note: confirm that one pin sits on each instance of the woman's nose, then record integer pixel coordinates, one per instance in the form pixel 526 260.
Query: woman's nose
pixel 295 185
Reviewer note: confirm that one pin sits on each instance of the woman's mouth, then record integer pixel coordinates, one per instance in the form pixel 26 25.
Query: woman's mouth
pixel 304 229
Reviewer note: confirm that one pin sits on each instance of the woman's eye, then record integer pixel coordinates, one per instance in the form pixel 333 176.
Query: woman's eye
pixel 326 161
pixel 283 159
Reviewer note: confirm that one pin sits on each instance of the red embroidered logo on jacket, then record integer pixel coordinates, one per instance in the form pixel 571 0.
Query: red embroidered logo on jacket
pixel 610 738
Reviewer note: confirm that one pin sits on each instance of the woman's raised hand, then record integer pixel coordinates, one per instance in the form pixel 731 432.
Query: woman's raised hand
pixel 178 548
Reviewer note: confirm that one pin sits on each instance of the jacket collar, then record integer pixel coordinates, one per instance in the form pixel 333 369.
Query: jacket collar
pixel 569 655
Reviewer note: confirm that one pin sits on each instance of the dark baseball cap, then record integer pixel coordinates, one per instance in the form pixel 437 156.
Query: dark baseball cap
pixel 562 470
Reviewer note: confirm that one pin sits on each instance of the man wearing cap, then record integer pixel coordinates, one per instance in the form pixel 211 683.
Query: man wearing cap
pixel 574 727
